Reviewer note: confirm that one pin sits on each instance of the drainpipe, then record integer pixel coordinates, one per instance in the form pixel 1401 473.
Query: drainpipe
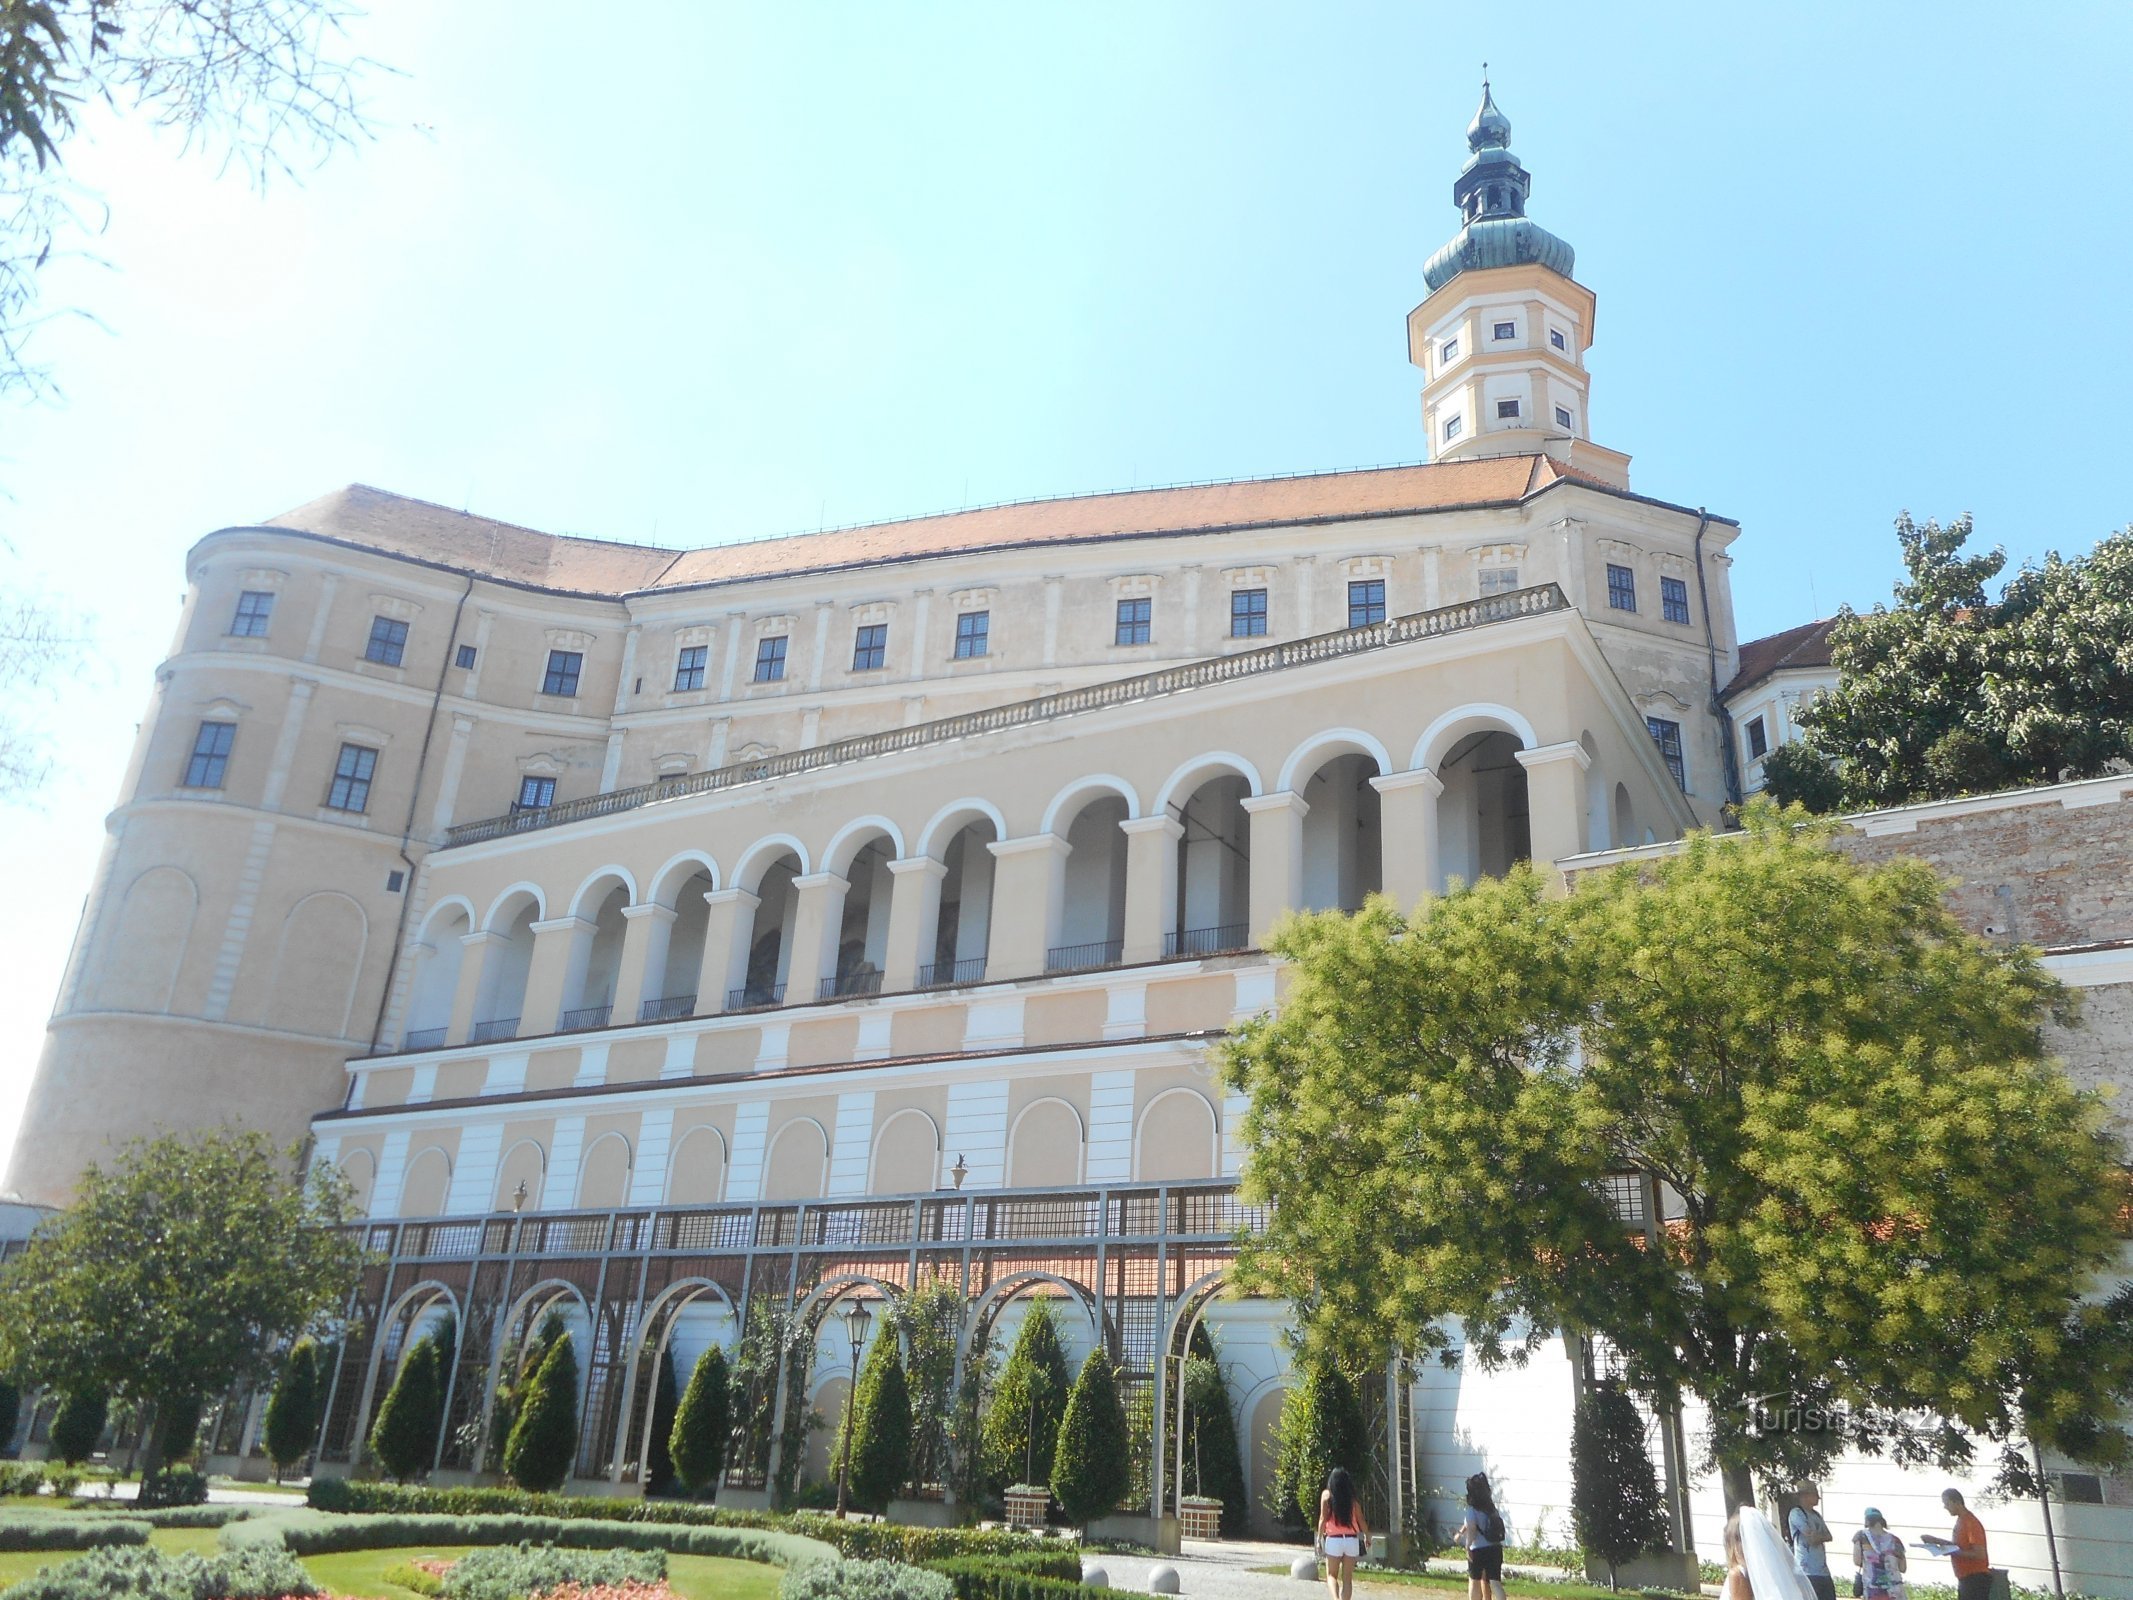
pixel 1728 759
pixel 414 802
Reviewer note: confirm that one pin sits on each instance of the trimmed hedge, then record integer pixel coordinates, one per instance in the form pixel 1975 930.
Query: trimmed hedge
pixel 313 1533
pixel 172 1516
pixel 259 1573
pixel 21 1477
pixel 978 1578
pixel 518 1572
pixel 39 1531
pixel 864 1580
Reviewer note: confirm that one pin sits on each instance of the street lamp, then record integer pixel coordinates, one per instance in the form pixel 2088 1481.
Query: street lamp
pixel 959 1171
pixel 518 1198
pixel 857 1319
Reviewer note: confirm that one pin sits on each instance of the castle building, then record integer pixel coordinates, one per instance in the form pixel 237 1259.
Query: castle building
pixel 657 935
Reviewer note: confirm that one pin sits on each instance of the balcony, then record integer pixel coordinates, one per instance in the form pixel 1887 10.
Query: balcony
pixel 667 1008
pixel 843 985
pixel 584 1019
pixel 1207 941
pixel 755 997
pixel 494 1029
pixel 1084 957
pixel 423 1038
pixel 949 974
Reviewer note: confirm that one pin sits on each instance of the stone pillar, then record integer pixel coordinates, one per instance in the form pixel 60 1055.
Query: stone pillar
pixel 561 948
pixel 1151 885
pixel 815 927
pixel 643 972
pixel 728 932
pixel 1028 898
pixel 914 920
pixel 1555 799
pixel 1407 813
pixel 1277 857
pixel 480 948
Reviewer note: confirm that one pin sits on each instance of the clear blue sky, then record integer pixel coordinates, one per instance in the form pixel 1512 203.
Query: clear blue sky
pixel 722 272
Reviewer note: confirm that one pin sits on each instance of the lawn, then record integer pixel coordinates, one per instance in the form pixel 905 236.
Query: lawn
pixel 360 1574
pixel 15 1565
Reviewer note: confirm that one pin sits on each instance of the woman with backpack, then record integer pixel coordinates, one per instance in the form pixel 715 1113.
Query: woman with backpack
pixel 1342 1532
pixel 1481 1531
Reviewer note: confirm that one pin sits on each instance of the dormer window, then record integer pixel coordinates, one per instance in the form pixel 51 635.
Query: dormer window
pixel 1449 350
pixel 1555 337
pixel 1506 409
pixel 1505 330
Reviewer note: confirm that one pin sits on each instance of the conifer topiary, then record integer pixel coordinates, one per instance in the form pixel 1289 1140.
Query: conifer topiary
pixel 292 1419
pixel 703 1422
pixel 1021 1430
pixel 1614 1493
pixel 1214 1466
pixel 10 1411
pixel 79 1426
pixel 544 1440
pixel 1322 1427
pixel 404 1436
pixel 881 1426
pixel 659 1477
pixel 1090 1471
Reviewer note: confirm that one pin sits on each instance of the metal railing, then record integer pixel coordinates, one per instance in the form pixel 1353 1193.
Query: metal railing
pixel 1080 957
pixel 495 1028
pixel 944 974
pixel 1508 607
pixel 667 1008
pixel 1208 941
pixel 423 1038
pixel 755 996
pixel 840 984
pixel 584 1017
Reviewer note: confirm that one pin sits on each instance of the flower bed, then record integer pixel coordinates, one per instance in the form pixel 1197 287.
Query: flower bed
pixel 141 1573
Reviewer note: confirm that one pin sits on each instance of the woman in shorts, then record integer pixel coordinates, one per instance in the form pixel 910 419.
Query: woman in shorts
pixel 1481 1531
pixel 1342 1533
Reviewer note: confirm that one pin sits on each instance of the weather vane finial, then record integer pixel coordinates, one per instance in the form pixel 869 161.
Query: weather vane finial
pixel 1484 74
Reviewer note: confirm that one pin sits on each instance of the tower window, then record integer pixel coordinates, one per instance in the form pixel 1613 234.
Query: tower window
pixel 1366 602
pixel 466 658
pixel 1562 418
pixel 255 608
pixel 211 755
pixel 770 659
pixel 973 633
pixel 1505 330
pixel 534 794
pixel 689 667
pixel 1498 580
pixel 1247 613
pixel 561 677
pixel 352 772
pixel 1667 736
pixel 1134 619
pixel 870 647
pixel 388 641
pixel 1621 588
pixel 1450 351
pixel 1674 600
pixel 1758 739
pixel 1451 426
pixel 1555 337
pixel 1506 408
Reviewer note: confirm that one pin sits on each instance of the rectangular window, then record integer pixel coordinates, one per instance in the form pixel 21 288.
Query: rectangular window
pixel 1506 330
pixel 770 659
pixel 1498 580
pixel 870 647
pixel 1247 613
pixel 466 658
pixel 1134 619
pixel 1667 735
pixel 1450 352
pixel 211 755
pixel 352 773
pixel 1758 739
pixel 689 666
pixel 535 794
pixel 1674 600
pixel 388 641
pixel 562 675
pixel 1562 418
pixel 1366 602
pixel 1621 588
pixel 1451 427
pixel 973 631
pixel 1555 337
pixel 255 608
pixel 1506 408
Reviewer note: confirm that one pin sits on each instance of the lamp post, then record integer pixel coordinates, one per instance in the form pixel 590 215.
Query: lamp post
pixel 857 1319
pixel 959 1171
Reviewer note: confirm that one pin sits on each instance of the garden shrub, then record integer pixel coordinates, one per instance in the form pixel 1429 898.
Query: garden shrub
pixel 1021 1428
pixel 21 1477
pixel 881 1427
pixel 64 1481
pixel 291 1426
pixel 37 1531
pixel 404 1437
pixel 173 1486
pixel 409 1576
pixel 312 1533
pixel 864 1580
pixel 10 1410
pixel 175 1516
pixel 1019 1578
pixel 516 1571
pixel 544 1439
pixel 1089 1470
pixel 703 1422
pixel 148 1574
pixel 78 1427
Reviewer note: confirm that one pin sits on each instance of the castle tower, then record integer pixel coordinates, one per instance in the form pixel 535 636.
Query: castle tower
pixel 1501 340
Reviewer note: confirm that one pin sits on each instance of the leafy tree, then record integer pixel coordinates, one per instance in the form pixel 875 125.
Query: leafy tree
pixel 10 1412
pixel 928 1320
pixel 1951 691
pixel 702 1425
pixel 179 1271
pixel 881 1426
pixel 404 1435
pixel 1882 1197
pixel 292 1419
pixel 1022 1413
pixel 544 1440
pixel 1800 775
pixel 1090 1471
pixel 1321 1427
pixel 181 1425
pixel 78 1428
pixel 1614 1494
pixel 1213 1465
pixel 666 1403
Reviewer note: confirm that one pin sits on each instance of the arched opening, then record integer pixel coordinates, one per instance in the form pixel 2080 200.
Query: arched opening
pixel 1177 1139
pixel 1045 1147
pixel 425 1184
pixel 957 954
pixel 696 1171
pixel 604 1173
pixel 360 1168
pixel 670 982
pixel 596 960
pixel 1625 814
pixel 769 935
pixel 147 948
pixel 863 931
pixel 1483 823
pixel 907 1155
pixel 1214 889
pixel 436 985
pixel 797 1165
pixel 1343 840
pixel 520 1176
pixel 506 959
pixel 1092 912
pixel 1262 1456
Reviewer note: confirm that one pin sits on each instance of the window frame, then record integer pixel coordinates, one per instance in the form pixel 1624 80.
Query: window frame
pixel 560 680
pixel 770 658
pixel 1757 734
pixel 1135 622
pixel 1492 580
pixel 1247 613
pixel 1559 340
pixel 1674 600
pixel 1517 410
pixel 465 657
pixel 383 638
pixel 1621 587
pixel 1448 351
pixel 1503 330
pixel 250 620
pixel 870 647
pixel 1564 419
pixel 973 635
pixel 1666 734
pixel 215 772
pixel 349 788
pixel 1366 603
pixel 542 785
pixel 691 663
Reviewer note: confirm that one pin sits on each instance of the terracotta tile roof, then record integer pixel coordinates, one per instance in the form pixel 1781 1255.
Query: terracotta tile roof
pixel 375 519
pixel 1804 646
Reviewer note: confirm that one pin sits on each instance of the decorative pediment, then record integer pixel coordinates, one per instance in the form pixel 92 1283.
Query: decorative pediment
pixel 392 605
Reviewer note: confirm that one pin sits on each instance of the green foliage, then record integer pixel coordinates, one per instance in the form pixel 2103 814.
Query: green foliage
pixel 1214 1466
pixel 404 1435
pixel 180 1417
pixel 144 1573
pixel 1890 1200
pixel 514 1572
pixel 307 1532
pixel 38 1531
pixel 1089 1473
pixel 1951 691
pixel 1614 1493
pixel 180 1270
pixel 21 1477
pixel 518 1366
pixel 1799 774
pixel 544 1439
pixel 78 1427
pixel 1050 1575
pixel 10 1411
pixel 881 1426
pixel 406 1575
pixel 703 1423
pixel 1321 1427
pixel 292 1420
pixel 659 1476
pixel 172 1487
pixel 929 1319
pixel 1021 1429
pixel 864 1580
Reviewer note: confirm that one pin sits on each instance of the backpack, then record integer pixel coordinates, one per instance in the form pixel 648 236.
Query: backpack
pixel 1492 1525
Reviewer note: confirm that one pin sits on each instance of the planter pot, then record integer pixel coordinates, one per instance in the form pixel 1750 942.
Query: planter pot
pixel 1027 1506
pixel 1657 1569
pixel 922 1514
pixel 1159 1534
pixel 1199 1517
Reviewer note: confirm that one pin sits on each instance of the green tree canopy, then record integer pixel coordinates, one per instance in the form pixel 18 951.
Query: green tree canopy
pixel 703 1423
pixel 404 1435
pixel 1321 1427
pixel 1880 1196
pixel 78 1426
pixel 292 1419
pixel 1952 691
pixel 179 1271
pixel 543 1446
pixel 881 1425
pixel 1614 1493
pixel 10 1411
pixel 1022 1413
pixel 1090 1467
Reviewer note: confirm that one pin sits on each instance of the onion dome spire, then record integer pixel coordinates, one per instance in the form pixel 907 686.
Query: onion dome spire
pixel 1491 192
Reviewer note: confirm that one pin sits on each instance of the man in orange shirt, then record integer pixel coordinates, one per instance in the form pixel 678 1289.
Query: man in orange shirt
pixel 1966 1549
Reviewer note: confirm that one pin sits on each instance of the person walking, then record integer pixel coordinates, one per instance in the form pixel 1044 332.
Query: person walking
pixel 1342 1532
pixel 1879 1556
pixel 1810 1541
pixel 1965 1549
pixel 1481 1531
pixel 1758 1566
